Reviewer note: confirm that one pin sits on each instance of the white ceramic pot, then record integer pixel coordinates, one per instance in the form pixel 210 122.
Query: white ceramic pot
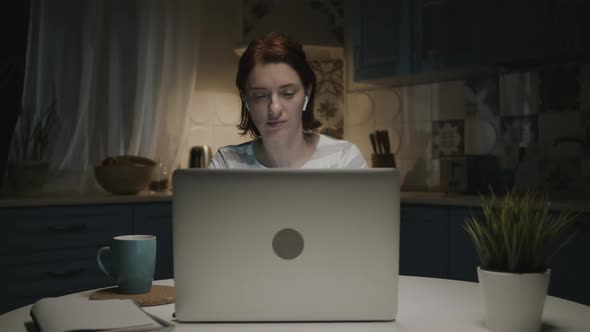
pixel 513 301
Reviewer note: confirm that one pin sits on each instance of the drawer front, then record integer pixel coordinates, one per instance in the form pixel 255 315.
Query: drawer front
pixel 51 273
pixel 33 229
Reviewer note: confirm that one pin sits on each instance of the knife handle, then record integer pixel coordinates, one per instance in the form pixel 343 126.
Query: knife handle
pixel 373 143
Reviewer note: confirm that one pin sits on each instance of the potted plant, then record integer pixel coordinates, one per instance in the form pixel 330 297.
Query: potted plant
pixel 27 168
pixel 515 241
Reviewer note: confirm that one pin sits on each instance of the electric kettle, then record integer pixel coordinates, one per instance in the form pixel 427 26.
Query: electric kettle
pixel 200 156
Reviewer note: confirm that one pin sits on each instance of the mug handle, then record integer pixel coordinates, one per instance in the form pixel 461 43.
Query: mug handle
pixel 106 271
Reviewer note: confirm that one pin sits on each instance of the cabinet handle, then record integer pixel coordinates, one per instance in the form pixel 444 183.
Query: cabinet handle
pixel 66 273
pixel 67 228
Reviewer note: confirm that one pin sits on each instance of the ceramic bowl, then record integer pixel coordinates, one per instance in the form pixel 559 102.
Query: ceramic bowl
pixel 124 179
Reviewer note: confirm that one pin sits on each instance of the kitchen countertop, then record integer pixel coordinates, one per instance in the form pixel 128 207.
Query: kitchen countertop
pixel 84 199
pixel 425 198
pixel 465 200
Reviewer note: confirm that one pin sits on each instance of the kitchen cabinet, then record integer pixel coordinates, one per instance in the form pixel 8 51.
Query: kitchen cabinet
pixel 449 34
pixel 570 271
pixel 418 41
pixel 463 259
pixel 381 35
pixel 424 241
pixel 51 251
pixel 454 256
pixel 156 219
pixel 421 41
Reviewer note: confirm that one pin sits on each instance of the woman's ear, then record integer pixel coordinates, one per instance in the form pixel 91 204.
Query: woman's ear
pixel 243 98
pixel 307 96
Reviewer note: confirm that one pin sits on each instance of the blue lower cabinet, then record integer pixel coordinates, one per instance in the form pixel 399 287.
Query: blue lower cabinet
pixel 156 219
pixel 463 259
pixel 50 228
pixel 570 268
pixel 51 251
pixel 424 241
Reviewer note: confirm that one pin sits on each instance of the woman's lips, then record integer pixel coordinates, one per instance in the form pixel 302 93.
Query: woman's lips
pixel 274 124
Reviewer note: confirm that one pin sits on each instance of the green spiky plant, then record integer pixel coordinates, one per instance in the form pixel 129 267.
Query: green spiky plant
pixel 517 234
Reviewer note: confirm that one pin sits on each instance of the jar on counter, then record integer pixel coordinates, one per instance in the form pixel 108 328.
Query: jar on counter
pixel 161 179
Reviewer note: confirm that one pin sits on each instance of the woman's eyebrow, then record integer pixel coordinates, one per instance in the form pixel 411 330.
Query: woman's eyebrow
pixel 257 88
pixel 288 85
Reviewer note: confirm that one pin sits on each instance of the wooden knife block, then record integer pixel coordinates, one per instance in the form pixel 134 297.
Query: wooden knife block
pixel 383 160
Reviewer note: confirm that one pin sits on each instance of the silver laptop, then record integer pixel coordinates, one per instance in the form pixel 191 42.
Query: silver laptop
pixel 286 245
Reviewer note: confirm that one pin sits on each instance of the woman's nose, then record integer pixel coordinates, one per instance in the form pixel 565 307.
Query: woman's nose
pixel 275 106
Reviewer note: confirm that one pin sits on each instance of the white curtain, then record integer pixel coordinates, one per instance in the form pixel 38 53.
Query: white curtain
pixel 122 73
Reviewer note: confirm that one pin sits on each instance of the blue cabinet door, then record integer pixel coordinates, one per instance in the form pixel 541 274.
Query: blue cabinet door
pixel 424 241
pixel 570 268
pixel 156 219
pixel 463 259
pixel 46 228
pixel 381 38
pixel 51 251
pixel 451 35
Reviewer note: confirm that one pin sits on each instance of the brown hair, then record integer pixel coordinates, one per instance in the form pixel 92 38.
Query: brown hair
pixel 276 47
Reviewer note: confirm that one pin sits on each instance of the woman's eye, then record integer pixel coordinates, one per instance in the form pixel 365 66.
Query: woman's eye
pixel 288 94
pixel 258 97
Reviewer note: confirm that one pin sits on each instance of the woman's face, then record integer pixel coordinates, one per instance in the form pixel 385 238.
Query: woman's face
pixel 275 96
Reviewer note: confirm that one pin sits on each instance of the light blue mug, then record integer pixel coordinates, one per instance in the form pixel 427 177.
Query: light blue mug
pixel 134 262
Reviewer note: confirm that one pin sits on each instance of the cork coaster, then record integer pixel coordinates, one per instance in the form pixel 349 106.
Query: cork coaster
pixel 157 296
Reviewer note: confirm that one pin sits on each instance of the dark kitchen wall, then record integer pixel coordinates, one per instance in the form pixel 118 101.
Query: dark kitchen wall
pixel 14 22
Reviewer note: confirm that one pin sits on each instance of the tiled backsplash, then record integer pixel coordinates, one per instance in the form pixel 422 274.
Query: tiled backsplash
pixel 537 123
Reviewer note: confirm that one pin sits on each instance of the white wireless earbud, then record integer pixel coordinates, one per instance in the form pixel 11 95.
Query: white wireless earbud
pixel 247 107
pixel 305 102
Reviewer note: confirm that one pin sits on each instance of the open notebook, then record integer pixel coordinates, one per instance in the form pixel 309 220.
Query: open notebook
pixel 62 314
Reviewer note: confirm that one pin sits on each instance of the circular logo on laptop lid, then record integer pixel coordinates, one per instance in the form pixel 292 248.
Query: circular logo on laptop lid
pixel 287 243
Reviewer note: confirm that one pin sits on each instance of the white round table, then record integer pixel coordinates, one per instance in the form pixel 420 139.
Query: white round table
pixel 425 304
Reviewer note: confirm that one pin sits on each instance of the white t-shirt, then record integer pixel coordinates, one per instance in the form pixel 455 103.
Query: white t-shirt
pixel 330 153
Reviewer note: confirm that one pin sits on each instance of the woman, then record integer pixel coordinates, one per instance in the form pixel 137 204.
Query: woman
pixel 277 87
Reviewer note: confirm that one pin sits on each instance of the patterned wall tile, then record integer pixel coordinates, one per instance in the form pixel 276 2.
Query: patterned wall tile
pixel 416 140
pixel 417 102
pixel 359 110
pixel 561 174
pixel 561 134
pixel 481 96
pixel 519 94
pixel 329 100
pixel 388 109
pixel 518 134
pixel 448 100
pixel 448 138
pixel 520 130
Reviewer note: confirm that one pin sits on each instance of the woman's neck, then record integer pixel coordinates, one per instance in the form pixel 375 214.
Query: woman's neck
pixel 292 153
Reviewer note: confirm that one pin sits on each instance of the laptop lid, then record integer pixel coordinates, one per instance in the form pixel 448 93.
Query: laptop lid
pixel 285 244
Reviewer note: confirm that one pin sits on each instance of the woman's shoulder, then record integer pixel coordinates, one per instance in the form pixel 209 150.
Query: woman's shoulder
pixel 332 142
pixel 233 156
pixel 346 154
pixel 243 148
